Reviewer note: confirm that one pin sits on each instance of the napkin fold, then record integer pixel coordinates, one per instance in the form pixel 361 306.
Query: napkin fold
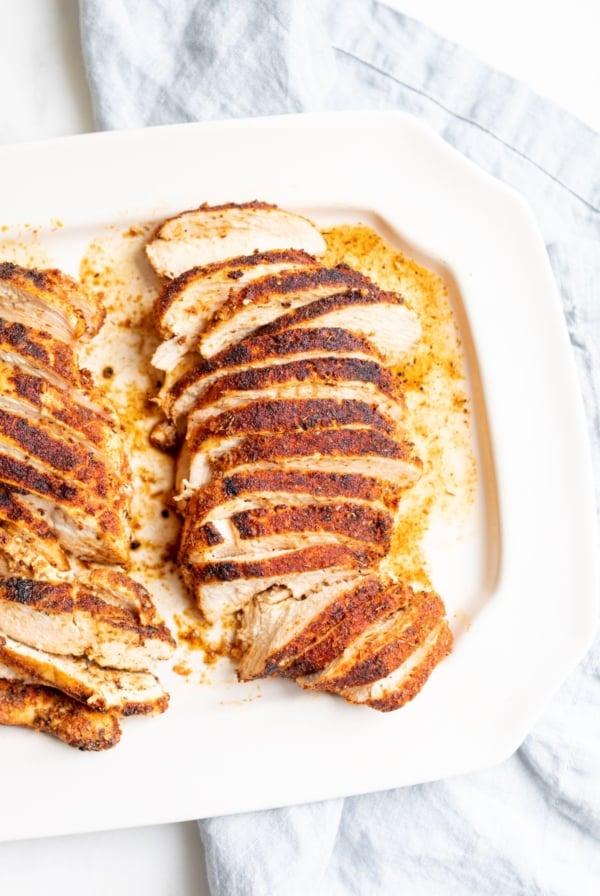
pixel 532 824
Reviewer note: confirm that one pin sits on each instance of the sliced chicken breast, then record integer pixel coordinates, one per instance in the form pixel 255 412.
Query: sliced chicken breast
pixel 71 415
pixel 383 646
pixel 404 683
pixel 188 303
pixel 296 570
pixel 47 710
pixel 187 385
pixel 38 353
pixel 129 693
pixel 263 301
pixel 258 533
pixel 29 534
pixel 342 451
pixel 92 529
pixel 48 300
pixel 381 318
pixel 276 628
pixel 211 234
pixel 265 488
pixel 70 619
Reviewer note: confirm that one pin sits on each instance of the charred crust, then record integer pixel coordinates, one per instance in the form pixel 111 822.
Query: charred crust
pixel 179 284
pixel 379 659
pixel 289 415
pixel 360 522
pixel 303 560
pixel 326 370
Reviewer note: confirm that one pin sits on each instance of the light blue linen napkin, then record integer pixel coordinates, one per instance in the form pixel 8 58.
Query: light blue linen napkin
pixel 531 825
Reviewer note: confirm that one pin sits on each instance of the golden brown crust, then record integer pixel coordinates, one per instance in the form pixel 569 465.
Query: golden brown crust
pixel 356 603
pixel 262 290
pixel 327 340
pixel 47 710
pixel 321 485
pixel 19 520
pixel 205 207
pixel 360 522
pixel 74 461
pixel 73 600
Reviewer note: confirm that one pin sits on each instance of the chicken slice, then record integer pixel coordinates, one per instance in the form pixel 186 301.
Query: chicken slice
pixel 277 628
pixel 255 534
pixel 93 529
pixel 404 683
pixel 45 709
pixel 38 353
pixel 222 434
pixel 346 379
pixel 188 383
pixel 383 646
pixel 70 619
pixel 247 491
pixel 71 415
pixel 211 234
pixel 43 446
pixel 188 303
pixel 48 300
pixel 263 301
pixel 129 693
pixel 342 451
pixel 381 318
pixel 30 536
pixel 221 588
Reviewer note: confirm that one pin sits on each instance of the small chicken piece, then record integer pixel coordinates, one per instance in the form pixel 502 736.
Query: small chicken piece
pixel 187 304
pixel 38 353
pixel 217 437
pixel 30 535
pixel 262 301
pixel 264 488
pixel 380 318
pixel 298 570
pixel 129 693
pixel 277 628
pixel 47 710
pixel 212 234
pixel 71 620
pixel 383 646
pixel 48 300
pixel 404 683
pixel 256 534
pixel 72 415
pixel 343 451
pixel 187 384
pixel 342 379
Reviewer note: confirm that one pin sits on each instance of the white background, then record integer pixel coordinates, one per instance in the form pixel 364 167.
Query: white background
pixel 553 47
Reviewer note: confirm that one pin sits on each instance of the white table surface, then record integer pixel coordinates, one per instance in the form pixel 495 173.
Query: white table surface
pixel 44 94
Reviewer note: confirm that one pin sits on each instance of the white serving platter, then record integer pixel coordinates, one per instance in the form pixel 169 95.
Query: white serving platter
pixel 525 575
